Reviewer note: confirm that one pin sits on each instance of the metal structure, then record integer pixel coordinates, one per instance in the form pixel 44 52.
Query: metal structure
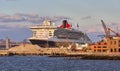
pixel 116 33
pixel 107 30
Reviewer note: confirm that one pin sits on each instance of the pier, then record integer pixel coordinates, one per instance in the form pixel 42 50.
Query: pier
pixel 29 49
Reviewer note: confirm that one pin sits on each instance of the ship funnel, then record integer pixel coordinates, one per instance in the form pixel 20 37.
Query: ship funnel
pixel 64 23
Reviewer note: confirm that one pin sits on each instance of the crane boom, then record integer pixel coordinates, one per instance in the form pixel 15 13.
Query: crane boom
pixel 107 32
pixel 117 34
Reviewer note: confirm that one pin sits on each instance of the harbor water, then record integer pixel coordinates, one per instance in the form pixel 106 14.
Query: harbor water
pixel 44 63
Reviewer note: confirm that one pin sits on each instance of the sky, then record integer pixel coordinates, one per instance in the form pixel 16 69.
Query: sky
pixel 16 16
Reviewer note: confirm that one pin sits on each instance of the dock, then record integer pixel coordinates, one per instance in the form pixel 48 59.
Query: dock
pixel 29 49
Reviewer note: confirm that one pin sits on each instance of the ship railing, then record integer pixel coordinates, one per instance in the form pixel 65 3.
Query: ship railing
pixel 43 26
pixel 38 38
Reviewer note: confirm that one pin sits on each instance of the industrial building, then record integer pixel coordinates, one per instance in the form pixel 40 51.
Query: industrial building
pixel 111 44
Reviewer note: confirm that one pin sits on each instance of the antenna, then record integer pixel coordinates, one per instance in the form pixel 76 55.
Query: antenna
pixel 77 26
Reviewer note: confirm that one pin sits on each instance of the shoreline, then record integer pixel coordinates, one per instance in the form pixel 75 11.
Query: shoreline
pixel 84 56
pixel 29 49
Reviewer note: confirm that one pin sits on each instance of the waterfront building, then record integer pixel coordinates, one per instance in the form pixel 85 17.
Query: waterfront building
pixel 99 46
pixel 111 44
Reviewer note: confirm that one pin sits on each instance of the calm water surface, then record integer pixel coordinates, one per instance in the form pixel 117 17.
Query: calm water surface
pixel 44 63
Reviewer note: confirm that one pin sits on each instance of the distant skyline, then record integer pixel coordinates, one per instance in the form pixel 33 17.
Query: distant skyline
pixel 17 15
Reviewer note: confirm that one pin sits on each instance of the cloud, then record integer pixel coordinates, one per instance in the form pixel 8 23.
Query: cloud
pixel 91 30
pixel 27 15
pixel 95 34
pixel 10 0
pixel 20 20
pixel 95 29
pixel 32 18
pixel 115 25
pixel 14 26
pixel 9 18
pixel 87 17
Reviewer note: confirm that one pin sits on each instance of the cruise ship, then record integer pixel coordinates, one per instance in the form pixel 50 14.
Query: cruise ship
pixel 49 35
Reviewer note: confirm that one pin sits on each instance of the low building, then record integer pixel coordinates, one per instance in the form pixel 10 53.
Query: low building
pixel 113 44
pixel 110 45
pixel 99 46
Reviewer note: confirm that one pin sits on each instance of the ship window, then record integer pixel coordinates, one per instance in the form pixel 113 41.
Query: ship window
pixel 34 33
pixel 50 33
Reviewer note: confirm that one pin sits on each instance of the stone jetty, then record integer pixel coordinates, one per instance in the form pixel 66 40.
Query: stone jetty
pixel 29 49
pixel 25 49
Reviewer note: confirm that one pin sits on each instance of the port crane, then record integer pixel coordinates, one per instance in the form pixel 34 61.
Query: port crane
pixel 107 30
pixel 116 33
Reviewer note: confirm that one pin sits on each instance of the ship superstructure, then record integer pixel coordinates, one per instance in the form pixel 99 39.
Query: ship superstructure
pixel 41 33
pixel 50 35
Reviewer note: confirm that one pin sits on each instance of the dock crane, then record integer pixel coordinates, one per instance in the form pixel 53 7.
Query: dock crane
pixel 107 30
pixel 116 33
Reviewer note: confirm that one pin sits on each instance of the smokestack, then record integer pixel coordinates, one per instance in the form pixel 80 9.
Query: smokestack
pixel 64 23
